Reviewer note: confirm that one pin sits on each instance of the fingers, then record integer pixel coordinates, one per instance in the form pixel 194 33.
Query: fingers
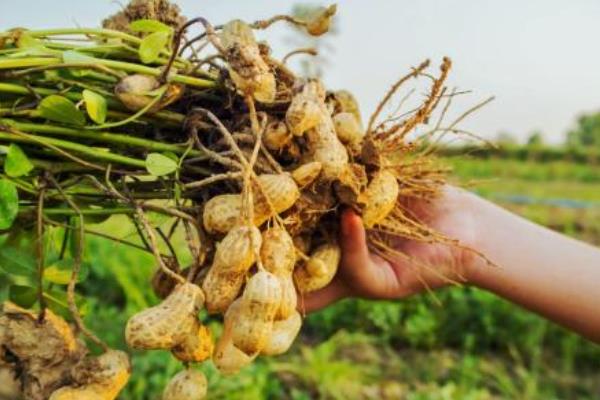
pixel 353 240
pixel 318 299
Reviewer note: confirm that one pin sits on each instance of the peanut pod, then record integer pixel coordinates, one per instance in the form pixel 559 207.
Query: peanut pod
pixel 189 384
pixel 222 212
pixel 318 271
pixel 306 108
pixel 234 256
pixel 282 335
pixel 259 304
pixel 307 173
pixel 379 198
pixel 227 357
pixel 248 70
pixel 277 252
pixel 165 325
pixel 197 346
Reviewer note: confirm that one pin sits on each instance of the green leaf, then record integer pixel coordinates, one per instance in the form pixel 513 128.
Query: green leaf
pixel 9 203
pixel 14 261
pixel 60 272
pixel 60 109
pixel 16 163
pixel 95 106
pixel 152 45
pixel 21 295
pixel 149 26
pixel 159 165
pixel 57 302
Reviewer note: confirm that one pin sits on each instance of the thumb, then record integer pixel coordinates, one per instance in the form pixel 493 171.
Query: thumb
pixel 353 241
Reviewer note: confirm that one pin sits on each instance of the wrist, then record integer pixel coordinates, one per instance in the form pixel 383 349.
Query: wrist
pixel 471 215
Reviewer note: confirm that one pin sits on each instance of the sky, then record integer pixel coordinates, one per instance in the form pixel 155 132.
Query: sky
pixel 539 58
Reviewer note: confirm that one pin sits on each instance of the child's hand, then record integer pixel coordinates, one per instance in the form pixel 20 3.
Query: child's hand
pixel 364 274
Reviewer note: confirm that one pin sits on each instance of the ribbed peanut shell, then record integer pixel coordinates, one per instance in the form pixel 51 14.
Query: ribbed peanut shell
pixel 289 297
pixel 306 174
pixel 234 256
pixel 328 150
pixel 277 252
pixel 165 325
pixel 249 72
pixel 221 213
pixel 227 357
pixel 189 384
pixel 283 334
pixel 348 128
pixel 306 108
pixel 318 271
pixel 346 102
pixel 134 92
pixel 303 114
pixel 197 346
pixel 281 191
pixel 261 85
pixel 97 378
pixel 379 198
pixel 276 136
pixel 238 249
pixel 259 304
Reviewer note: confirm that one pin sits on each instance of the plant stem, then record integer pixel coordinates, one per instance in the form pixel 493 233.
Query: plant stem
pixel 75 96
pixel 76 147
pixel 10 63
pixel 105 137
pixel 85 31
pixel 84 211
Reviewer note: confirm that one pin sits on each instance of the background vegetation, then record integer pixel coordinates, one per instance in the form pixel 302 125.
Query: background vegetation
pixel 467 345
pixel 471 346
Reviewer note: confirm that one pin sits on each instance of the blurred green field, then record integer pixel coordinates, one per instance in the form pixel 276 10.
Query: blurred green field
pixel 472 346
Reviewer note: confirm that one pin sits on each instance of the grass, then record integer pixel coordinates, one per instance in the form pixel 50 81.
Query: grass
pixel 475 346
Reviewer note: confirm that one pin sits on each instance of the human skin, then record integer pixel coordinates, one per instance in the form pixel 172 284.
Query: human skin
pixel 541 270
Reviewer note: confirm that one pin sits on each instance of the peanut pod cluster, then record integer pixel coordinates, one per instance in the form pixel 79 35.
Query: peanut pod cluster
pixel 253 162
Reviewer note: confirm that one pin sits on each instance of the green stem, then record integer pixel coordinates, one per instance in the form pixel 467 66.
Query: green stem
pixel 84 211
pixel 76 96
pixel 105 137
pixel 113 51
pixel 10 63
pixel 76 147
pixel 138 114
pixel 86 31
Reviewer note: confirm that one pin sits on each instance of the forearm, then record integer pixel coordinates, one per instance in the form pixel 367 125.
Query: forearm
pixel 543 271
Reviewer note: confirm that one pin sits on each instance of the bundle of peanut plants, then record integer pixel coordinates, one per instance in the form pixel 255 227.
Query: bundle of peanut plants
pixel 252 162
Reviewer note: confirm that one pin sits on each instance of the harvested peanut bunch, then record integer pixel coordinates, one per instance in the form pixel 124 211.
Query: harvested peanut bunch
pixel 250 162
